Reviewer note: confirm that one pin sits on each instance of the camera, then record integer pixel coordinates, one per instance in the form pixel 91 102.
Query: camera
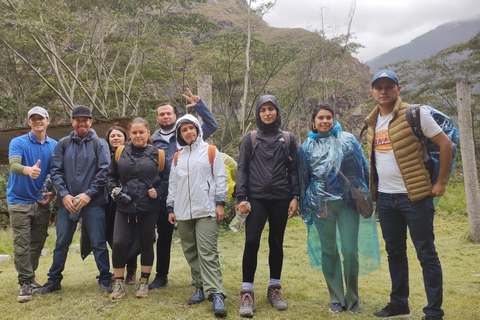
pixel 120 196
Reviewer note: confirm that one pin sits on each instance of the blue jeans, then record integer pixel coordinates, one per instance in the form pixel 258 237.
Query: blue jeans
pixel 94 222
pixel 396 212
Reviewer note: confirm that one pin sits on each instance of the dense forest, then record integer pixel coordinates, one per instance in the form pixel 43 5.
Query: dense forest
pixel 121 58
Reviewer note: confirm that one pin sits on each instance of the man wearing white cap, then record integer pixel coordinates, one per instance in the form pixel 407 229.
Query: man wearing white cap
pixel 29 159
pixel 400 184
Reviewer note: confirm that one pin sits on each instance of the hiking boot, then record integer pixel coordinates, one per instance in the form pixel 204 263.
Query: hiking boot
pixel 25 293
pixel 355 310
pixel 427 317
pixel 49 287
pixel 274 296
pixel 393 311
pixel 105 287
pixel 142 289
pixel 158 282
pixel 218 305
pixel 247 307
pixel 335 307
pixel 197 297
pixel 131 277
pixel 118 290
pixel 35 285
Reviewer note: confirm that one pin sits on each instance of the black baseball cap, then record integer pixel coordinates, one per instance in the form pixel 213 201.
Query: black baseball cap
pixel 81 111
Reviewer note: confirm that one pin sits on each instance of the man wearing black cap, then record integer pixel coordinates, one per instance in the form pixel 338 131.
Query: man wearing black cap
pixel 29 159
pixel 400 183
pixel 79 167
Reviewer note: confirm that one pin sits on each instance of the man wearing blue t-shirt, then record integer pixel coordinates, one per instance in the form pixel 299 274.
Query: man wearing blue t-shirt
pixel 29 159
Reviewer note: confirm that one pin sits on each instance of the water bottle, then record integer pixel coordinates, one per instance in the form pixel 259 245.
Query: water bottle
pixel 47 184
pixel 75 214
pixel 239 219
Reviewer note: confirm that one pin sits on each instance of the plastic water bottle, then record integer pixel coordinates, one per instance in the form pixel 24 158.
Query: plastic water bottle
pixel 239 219
pixel 47 184
pixel 75 215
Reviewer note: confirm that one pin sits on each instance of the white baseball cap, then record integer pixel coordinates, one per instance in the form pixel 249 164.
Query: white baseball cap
pixel 38 110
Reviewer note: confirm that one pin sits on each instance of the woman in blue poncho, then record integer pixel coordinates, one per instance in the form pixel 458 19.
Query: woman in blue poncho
pixel 333 224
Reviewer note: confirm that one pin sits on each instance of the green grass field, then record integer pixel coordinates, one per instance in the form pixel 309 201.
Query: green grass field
pixel 304 289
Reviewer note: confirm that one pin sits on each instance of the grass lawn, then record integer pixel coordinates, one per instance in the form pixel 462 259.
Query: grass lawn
pixel 304 289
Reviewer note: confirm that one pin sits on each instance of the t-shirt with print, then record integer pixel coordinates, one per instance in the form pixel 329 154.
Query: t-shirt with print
pixel 389 176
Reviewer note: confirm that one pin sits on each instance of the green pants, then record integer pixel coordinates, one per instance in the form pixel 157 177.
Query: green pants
pixel 29 223
pixel 199 243
pixel 343 219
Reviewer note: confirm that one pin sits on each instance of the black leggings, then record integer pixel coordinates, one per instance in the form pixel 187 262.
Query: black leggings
pixel 276 211
pixel 122 233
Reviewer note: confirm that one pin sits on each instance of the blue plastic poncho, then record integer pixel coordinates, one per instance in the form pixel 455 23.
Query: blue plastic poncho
pixel 320 159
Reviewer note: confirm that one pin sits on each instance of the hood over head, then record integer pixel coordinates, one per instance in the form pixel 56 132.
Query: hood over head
pixel 188 118
pixel 278 121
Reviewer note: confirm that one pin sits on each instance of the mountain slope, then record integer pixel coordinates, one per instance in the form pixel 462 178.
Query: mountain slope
pixel 428 44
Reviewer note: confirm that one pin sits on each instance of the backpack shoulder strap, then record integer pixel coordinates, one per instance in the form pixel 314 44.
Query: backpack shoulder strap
pixel 286 137
pixel 161 160
pixel 118 152
pixel 65 143
pixel 175 157
pixel 211 154
pixel 413 119
pixel 253 136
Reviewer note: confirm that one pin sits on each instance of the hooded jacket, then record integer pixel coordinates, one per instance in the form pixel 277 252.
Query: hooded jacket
pixel 80 169
pixel 194 186
pixel 136 174
pixel 267 169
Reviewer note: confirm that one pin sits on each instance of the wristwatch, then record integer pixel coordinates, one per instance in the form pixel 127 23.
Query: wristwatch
pixel 296 197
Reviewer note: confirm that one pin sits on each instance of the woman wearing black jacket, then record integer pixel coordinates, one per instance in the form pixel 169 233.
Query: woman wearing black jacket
pixel 136 185
pixel 267 179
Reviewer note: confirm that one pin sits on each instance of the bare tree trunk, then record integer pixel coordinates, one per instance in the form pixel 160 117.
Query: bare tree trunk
pixel 468 158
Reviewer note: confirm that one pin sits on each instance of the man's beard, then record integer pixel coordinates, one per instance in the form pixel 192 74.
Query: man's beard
pixel 167 128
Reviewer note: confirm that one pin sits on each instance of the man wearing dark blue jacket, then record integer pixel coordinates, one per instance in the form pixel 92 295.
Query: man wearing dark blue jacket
pixel 164 138
pixel 79 167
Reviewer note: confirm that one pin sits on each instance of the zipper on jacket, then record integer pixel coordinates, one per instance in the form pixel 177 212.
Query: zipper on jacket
pixel 188 180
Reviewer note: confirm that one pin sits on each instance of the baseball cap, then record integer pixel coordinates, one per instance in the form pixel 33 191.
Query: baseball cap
pixel 385 74
pixel 38 110
pixel 81 111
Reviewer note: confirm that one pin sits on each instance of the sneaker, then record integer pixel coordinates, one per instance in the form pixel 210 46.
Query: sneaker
pixel 393 311
pixel 105 287
pixel 142 289
pixel 335 307
pixel 247 306
pixel 197 297
pixel 49 287
pixel 218 305
pixel 427 317
pixel 158 282
pixel 118 290
pixel 35 285
pixel 355 309
pixel 25 293
pixel 131 277
pixel 274 296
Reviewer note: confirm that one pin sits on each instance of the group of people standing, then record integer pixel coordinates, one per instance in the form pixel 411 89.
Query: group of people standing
pixel 174 169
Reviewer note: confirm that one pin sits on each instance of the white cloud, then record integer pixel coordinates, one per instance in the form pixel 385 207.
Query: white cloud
pixel 379 25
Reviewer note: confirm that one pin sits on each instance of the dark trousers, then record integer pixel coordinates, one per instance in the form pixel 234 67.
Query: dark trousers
pixel 276 211
pixel 122 233
pixel 396 212
pixel 164 241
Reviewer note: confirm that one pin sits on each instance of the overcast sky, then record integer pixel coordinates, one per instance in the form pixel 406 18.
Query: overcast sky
pixel 379 25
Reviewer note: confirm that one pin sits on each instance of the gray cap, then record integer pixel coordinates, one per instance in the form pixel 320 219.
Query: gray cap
pixel 38 110
pixel 81 111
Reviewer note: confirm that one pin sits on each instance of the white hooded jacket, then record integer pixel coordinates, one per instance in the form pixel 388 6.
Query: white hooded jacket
pixel 194 186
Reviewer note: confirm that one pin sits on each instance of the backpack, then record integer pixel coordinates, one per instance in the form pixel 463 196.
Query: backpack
pixel 228 162
pixel 160 160
pixel 448 127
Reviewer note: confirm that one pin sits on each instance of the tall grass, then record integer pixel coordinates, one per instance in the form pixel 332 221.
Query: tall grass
pixel 304 289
